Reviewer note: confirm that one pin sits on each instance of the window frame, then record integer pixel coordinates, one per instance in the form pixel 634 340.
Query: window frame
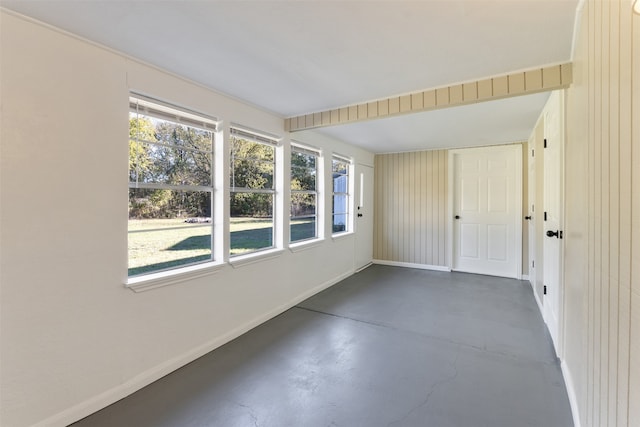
pixel 347 194
pixel 312 151
pixel 251 135
pixel 142 106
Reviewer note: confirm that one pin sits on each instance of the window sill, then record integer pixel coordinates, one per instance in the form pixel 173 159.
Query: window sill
pixel 172 277
pixel 307 244
pixel 341 236
pixel 242 260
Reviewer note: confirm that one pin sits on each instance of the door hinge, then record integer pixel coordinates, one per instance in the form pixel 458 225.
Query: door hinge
pixel 533 264
pixel 545 215
pixel 533 153
pixel 545 143
pixel 544 290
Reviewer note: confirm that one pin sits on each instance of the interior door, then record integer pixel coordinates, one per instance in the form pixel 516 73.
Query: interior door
pixel 364 216
pixel 553 184
pixel 487 209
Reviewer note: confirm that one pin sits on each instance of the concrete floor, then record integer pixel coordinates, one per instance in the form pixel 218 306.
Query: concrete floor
pixel 388 346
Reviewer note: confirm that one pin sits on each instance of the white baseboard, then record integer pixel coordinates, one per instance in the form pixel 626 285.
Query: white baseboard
pixel 533 289
pixel 145 378
pixel 571 392
pixel 525 277
pixel 412 265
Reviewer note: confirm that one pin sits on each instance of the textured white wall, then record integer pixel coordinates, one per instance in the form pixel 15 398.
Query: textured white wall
pixel 73 338
pixel 602 220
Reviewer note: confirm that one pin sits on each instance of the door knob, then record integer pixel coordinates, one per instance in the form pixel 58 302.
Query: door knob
pixel 359 215
pixel 528 217
pixel 457 217
pixel 552 233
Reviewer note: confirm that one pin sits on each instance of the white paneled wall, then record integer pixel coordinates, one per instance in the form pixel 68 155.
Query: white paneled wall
pixel 602 254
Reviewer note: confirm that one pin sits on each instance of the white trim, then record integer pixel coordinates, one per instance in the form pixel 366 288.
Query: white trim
pixel 341 235
pixel 576 28
pixel 305 244
pixel 571 392
pixel 134 384
pixel 257 256
pixel 364 267
pixel 412 265
pixel 538 301
pixel 524 277
pixel 160 279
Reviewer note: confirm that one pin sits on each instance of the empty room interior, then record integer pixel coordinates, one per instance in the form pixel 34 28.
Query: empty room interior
pixel 320 213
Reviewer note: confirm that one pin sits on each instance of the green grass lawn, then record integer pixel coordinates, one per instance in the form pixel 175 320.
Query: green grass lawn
pixel 159 244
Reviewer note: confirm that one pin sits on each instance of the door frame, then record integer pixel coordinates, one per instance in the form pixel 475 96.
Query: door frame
pixel 518 201
pixel 360 201
pixel 559 98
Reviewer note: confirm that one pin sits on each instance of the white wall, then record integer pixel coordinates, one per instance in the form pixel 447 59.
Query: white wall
pixel 73 338
pixel 602 218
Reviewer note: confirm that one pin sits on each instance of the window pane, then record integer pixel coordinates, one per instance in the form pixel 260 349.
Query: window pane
pixel 340 203
pixel 303 160
pixel 252 164
pixel 303 228
pixel 303 204
pixel 168 229
pixel 251 222
pixel 303 178
pixel 339 166
pixel 248 173
pixel 340 183
pixel 174 166
pixel 339 223
pixel 164 152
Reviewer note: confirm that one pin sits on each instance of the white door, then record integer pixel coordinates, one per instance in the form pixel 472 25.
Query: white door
pixel 553 184
pixel 487 207
pixel 364 216
pixel 530 217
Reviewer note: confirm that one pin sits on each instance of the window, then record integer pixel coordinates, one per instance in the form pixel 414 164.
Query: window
pixel 252 172
pixel 304 193
pixel 170 186
pixel 340 173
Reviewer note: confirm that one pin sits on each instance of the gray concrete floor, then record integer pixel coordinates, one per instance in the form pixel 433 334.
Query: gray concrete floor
pixel 388 346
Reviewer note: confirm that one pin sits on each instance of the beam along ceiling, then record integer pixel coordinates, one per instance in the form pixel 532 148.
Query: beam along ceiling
pixel 298 57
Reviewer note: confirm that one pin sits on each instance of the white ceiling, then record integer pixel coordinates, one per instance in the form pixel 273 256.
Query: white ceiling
pixel 295 57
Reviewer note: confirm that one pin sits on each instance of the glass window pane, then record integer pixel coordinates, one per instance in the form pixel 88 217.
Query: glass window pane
pixel 339 166
pixel 303 179
pixel 165 152
pixel 252 164
pixel 303 160
pixel 247 173
pixel 340 183
pixel 251 222
pixel 244 149
pixel 340 204
pixel 303 204
pixel 168 229
pixel 168 165
pixel 339 223
pixel 303 229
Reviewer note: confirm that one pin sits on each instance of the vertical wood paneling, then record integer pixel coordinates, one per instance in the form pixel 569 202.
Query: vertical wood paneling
pixel 411 200
pixel 607 383
pixel 634 319
pixel 629 205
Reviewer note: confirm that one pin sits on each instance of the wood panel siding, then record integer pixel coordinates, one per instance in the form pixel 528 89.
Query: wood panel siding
pixel 514 84
pixel 410 208
pixel 602 246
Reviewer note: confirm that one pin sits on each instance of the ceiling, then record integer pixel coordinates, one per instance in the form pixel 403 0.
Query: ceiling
pixel 296 57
